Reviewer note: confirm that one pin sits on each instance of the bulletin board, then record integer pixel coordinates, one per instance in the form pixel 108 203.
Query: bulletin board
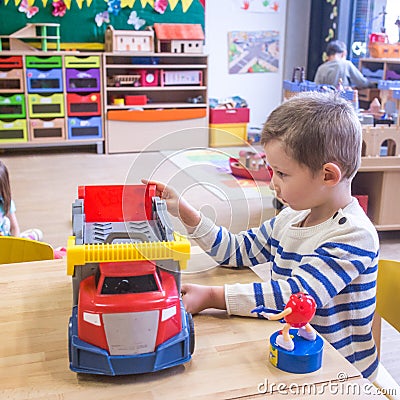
pixel 78 27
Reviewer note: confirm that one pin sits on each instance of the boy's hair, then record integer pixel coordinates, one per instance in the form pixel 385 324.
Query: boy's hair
pixel 5 189
pixel 335 47
pixel 317 128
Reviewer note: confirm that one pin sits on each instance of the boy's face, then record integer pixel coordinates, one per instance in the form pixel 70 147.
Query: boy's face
pixel 293 182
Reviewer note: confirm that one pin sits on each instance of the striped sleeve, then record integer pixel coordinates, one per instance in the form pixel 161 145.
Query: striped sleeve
pixel 246 248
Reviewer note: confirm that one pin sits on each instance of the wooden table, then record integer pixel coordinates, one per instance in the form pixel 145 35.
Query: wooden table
pixel 230 358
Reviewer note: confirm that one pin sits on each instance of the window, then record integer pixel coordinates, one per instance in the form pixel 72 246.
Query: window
pixel 129 284
pixel 393 14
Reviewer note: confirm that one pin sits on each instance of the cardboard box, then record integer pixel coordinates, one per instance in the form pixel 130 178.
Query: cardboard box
pixel 229 115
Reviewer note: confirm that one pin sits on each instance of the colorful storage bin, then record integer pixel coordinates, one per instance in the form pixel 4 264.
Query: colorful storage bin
pixel 47 129
pixel 227 135
pixel 83 80
pixel 41 106
pixel 12 106
pixel 12 81
pixel 44 81
pixel 43 62
pixel 7 62
pixel 13 131
pixel 82 61
pixel 84 128
pixel 229 115
pixel 83 105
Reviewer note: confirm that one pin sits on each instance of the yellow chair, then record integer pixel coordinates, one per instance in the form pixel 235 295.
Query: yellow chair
pixel 15 250
pixel 387 308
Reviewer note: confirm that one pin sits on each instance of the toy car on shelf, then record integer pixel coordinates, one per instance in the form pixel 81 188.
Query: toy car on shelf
pixel 123 80
pixel 125 263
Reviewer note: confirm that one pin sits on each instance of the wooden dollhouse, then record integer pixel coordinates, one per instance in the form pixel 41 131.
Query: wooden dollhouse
pixel 179 38
pixel 124 40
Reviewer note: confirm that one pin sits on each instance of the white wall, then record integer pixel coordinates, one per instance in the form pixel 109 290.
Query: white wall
pixel 263 91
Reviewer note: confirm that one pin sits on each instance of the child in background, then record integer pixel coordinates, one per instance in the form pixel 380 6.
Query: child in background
pixel 321 243
pixel 337 70
pixel 8 220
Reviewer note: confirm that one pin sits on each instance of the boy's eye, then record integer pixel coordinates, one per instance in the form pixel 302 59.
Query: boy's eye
pixel 280 174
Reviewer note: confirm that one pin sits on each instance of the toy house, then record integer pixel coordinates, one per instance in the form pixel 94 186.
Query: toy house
pixel 179 38
pixel 137 41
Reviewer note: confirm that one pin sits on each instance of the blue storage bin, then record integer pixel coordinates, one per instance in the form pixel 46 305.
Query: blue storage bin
pixel 84 128
pixel 369 73
pixel 44 81
pixel 305 86
pixel 389 85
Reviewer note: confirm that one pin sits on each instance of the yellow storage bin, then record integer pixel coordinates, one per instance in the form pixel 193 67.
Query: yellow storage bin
pixel 227 134
pixel 13 131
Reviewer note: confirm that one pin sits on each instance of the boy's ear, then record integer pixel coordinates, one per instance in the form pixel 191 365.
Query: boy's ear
pixel 332 174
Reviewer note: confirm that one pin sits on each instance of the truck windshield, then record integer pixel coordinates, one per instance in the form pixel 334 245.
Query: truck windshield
pixel 129 284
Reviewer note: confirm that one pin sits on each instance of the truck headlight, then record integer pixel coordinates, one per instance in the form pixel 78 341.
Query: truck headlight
pixel 168 313
pixel 93 319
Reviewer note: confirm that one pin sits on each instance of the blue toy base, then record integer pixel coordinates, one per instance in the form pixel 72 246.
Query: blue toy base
pixel 306 356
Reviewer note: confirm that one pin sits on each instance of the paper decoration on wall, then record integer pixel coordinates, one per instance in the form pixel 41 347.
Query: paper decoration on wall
pixel 135 20
pixel 59 8
pixel 251 52
pixel 160 6
pixel 102 18
pixel 114 6
pixel 259 6
pixel 28 9
pixel 122 3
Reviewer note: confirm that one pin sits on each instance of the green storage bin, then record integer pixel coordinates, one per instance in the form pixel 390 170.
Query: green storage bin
pixel 43 62
pixel 82 61
pixel 12 106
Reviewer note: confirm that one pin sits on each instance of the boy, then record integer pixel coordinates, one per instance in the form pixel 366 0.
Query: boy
pixel 322 243
pixel 337 69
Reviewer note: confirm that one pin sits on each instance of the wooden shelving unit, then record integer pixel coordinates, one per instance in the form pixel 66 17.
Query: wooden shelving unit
pixel 153 82
pixel 379 178
pixel 50 118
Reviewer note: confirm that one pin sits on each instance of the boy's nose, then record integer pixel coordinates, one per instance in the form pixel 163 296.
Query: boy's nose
pixel 271 185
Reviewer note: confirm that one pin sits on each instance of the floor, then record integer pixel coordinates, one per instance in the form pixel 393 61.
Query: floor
pixel 45 185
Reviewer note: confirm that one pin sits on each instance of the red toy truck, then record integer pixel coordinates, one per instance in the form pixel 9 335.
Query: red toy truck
pixel 125 260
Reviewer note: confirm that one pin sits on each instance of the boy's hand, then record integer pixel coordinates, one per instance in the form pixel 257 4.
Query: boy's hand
pixel 197 298
pixel 176 204
pixel 166 193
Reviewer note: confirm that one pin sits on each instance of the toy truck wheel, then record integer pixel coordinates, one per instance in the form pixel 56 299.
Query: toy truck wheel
pixel 191 333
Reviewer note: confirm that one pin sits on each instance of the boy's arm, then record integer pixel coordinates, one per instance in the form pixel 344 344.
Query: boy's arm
pixel 246 248
pixel 357 79
pixel 332 268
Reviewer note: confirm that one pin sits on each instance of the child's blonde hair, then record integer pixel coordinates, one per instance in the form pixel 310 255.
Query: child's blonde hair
pixel 317 128
pixel 5 188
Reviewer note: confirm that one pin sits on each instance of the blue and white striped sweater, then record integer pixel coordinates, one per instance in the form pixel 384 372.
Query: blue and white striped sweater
pixel 335 262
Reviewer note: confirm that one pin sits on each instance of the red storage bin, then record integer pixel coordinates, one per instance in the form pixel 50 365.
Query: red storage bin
pixel 229 115
pixel 10 62
pixel 84 105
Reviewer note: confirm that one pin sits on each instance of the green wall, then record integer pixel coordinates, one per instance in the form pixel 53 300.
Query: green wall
pixel 78 25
